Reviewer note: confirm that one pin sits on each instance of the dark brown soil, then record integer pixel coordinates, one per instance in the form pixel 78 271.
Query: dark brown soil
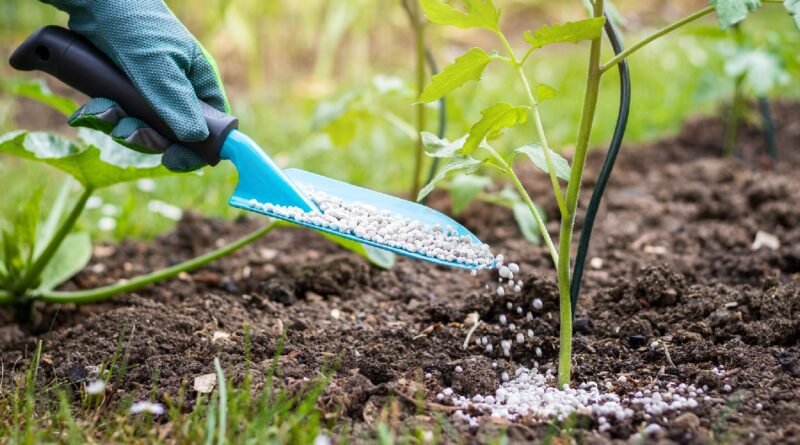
pixel 679 292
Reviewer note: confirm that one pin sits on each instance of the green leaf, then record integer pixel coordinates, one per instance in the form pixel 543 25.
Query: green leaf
pixel 37 89
pixel 459 164
pixel 545 92
pixel 494 120
pixel 464 189
pixel 436 147
pixel 763 71
pixel 526 223
pixel 70 258
pixel 379 257
pixel 477 14
pixel 536 154
pixel 793 7
pixel 731 12
pixel 100 163
pixel 467 67
pixel 574 32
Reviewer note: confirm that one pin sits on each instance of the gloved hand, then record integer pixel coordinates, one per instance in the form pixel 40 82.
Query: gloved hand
pixel 165 63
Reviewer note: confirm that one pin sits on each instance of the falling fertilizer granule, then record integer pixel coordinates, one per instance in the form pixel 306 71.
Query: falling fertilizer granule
pixel 383 227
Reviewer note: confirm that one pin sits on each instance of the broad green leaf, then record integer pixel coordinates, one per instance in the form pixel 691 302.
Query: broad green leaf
pixel 536 154
pixel 379 257
pixel 467 67
pixel 70 258
pixel 731 12
pixel 545 92
pixel 526 223
pixel 460 164
pixel 99 164
pixel 464 189
pixel 573 32
pixel 763 71
pixel 477 14
pixel 793 6
pixel 436 147
pixel 37 89
pixel 56 211
pixel 494 120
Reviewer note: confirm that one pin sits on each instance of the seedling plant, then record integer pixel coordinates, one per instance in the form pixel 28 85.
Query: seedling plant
pixel 38 256
pixel 475 150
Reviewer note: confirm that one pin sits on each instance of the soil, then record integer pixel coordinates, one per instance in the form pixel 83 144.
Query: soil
pixel 674 290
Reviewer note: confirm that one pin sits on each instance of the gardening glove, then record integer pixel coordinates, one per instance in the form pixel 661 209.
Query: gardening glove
pixel 163 61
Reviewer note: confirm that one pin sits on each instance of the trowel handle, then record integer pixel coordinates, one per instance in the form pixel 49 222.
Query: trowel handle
pixel 75 61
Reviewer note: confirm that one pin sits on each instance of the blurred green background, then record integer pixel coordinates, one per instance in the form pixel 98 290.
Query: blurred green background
pixel 329 86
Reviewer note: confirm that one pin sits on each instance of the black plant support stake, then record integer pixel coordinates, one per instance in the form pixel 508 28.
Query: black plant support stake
pixel 608 166
pixel 442 117
pixel 769 127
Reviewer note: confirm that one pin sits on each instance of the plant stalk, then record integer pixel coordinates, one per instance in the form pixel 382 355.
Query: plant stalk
pixel 734 114
pixel 545 147
pixel 103 293
pixel 535 213
pixel 44 258
pixel 412 8
pixel 661 32
pixel 573 192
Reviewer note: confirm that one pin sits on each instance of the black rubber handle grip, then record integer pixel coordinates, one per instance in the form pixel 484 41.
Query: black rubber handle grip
pixel 75 61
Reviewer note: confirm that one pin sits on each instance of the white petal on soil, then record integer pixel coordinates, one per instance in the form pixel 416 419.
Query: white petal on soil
pixel 96 387
pixel 155 409
pixel 219 335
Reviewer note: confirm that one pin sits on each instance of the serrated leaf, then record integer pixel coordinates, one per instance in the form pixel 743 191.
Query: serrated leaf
pixel 570 32
pixel 99 164
pixel 379 257
pixel 37 89
pixel 477 14
pixel 731 12
pixel 467 67
pixel 535 153
pixel 71 257
pixel 460 164
pixel 464 189
pixel 494 120
pixel 526 223
pixel 763 71
pixel 545 92
pixel 437 147
pixel 793 7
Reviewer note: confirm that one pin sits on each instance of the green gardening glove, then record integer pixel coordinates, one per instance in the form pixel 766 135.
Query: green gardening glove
pixel 165 63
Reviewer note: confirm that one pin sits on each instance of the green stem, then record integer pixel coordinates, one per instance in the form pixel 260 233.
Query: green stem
pixel 535 213
pixel 418 24
pixel 506 168
pixel 661 32
pixel 103 293
pixel 732 124
pixel 33 273
pixel 551 170
pixel 573 192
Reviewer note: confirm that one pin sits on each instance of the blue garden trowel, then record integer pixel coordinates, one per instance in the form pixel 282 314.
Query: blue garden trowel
pixel 76 62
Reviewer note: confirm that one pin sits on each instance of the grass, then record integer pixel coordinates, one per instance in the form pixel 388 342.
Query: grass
pixel 59 412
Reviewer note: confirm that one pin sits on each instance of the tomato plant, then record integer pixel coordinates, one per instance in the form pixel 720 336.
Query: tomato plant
pixel 475 150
